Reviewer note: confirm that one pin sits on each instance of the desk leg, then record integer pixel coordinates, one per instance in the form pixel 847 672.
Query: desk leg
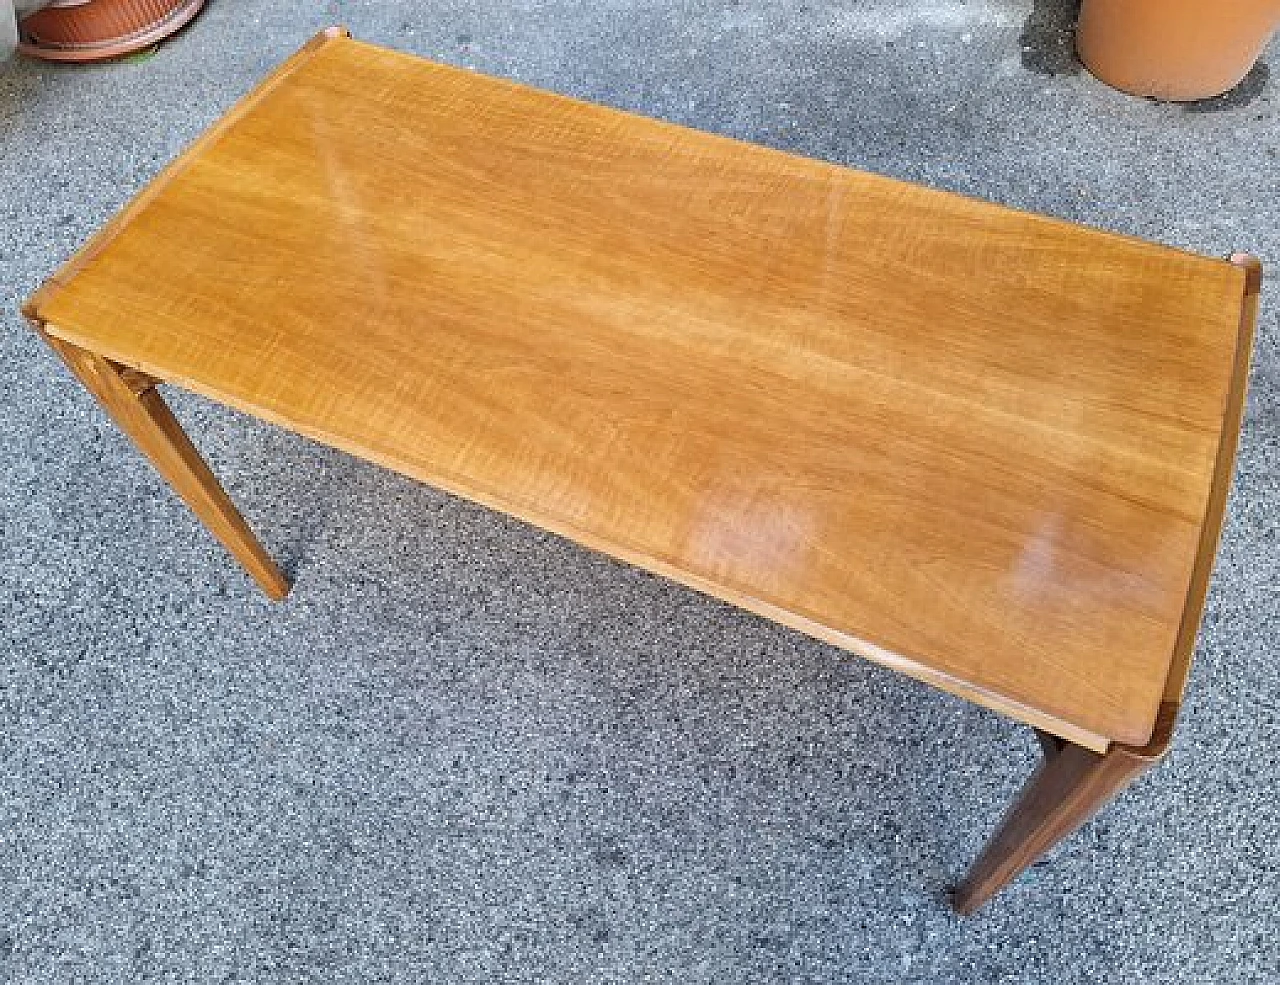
pixel 1070 786
pixel 131 399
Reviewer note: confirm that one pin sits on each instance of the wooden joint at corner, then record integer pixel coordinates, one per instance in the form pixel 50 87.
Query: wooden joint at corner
pixel 1252 268
pixel 1161 736
pixel 136 380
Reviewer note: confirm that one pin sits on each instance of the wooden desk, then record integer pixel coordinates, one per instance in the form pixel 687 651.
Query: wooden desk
pixel 988 449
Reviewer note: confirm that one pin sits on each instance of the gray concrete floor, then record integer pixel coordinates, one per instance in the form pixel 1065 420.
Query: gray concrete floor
pixel 464 751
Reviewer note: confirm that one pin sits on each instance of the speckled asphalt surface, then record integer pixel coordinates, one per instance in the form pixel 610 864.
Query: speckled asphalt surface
pixel 464 751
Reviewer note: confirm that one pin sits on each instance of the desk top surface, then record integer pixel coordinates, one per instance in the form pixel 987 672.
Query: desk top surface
pixel 973 444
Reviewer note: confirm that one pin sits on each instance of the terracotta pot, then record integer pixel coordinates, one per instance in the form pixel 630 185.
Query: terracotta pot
pixel 88 30
pixel 1174 49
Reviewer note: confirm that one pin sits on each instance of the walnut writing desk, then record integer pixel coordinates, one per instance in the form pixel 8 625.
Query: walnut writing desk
pixel 987 449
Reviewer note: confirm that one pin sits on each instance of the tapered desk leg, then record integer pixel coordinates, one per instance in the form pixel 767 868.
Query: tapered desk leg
pixel 131 399
pixel 1070 786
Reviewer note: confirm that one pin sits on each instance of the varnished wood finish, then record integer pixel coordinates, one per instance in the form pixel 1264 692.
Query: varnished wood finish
pixel 1224 472
pixel 1070 786
pixel 131 400
pixel 976 445
pixel 1073 783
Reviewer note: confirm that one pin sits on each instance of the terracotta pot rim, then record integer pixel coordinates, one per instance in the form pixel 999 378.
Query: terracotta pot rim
pixel 111 47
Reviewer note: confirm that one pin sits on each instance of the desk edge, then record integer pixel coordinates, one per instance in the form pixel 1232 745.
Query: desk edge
pixel 1215 507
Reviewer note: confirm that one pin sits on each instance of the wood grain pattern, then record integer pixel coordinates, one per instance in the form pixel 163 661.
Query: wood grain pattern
pixel 1224 472
pixel 973 444
pixel 1070 786
pixel 132 402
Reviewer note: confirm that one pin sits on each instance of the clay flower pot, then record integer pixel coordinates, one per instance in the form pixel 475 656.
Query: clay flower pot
pixel 89 30
pixel 1174 49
